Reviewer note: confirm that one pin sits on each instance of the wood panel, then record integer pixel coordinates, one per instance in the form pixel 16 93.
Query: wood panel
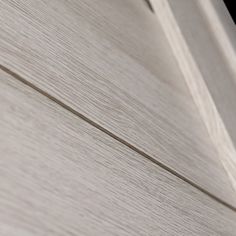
pixel 110 61
pixel 62 176
pixel 203 38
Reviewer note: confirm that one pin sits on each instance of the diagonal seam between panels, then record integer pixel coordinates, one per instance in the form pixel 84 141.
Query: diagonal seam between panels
pixel 112 135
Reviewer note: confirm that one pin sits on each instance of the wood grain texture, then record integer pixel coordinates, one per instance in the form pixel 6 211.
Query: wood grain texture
pixel 61 176
pixel 110 61
pixel 203 38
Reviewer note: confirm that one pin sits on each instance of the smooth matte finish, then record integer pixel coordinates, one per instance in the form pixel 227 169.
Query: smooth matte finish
pixel 111 62
pixel 61 176
pixel 203 38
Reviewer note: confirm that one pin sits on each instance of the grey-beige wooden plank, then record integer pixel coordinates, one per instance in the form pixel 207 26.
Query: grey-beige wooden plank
pixel 111 62
pixel 62 176
pixel 203 37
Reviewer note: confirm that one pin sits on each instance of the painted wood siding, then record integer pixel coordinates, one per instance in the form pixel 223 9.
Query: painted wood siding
pixel 62 176
pixel 100 134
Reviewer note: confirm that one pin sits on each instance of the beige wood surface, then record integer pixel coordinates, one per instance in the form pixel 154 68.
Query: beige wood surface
pixel 62 176
pixel 110 61
pixel 203 38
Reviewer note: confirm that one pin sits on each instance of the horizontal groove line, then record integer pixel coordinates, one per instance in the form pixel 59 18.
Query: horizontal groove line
pixel 137 150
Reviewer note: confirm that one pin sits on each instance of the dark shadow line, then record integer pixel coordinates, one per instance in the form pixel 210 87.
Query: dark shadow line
pixel 149 5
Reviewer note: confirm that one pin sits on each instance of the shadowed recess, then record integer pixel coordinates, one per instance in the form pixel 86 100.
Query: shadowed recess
pixel 230 4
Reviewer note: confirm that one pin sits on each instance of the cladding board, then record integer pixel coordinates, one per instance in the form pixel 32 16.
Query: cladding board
pixel 111 62
pixel 62 176
pixel 203 38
